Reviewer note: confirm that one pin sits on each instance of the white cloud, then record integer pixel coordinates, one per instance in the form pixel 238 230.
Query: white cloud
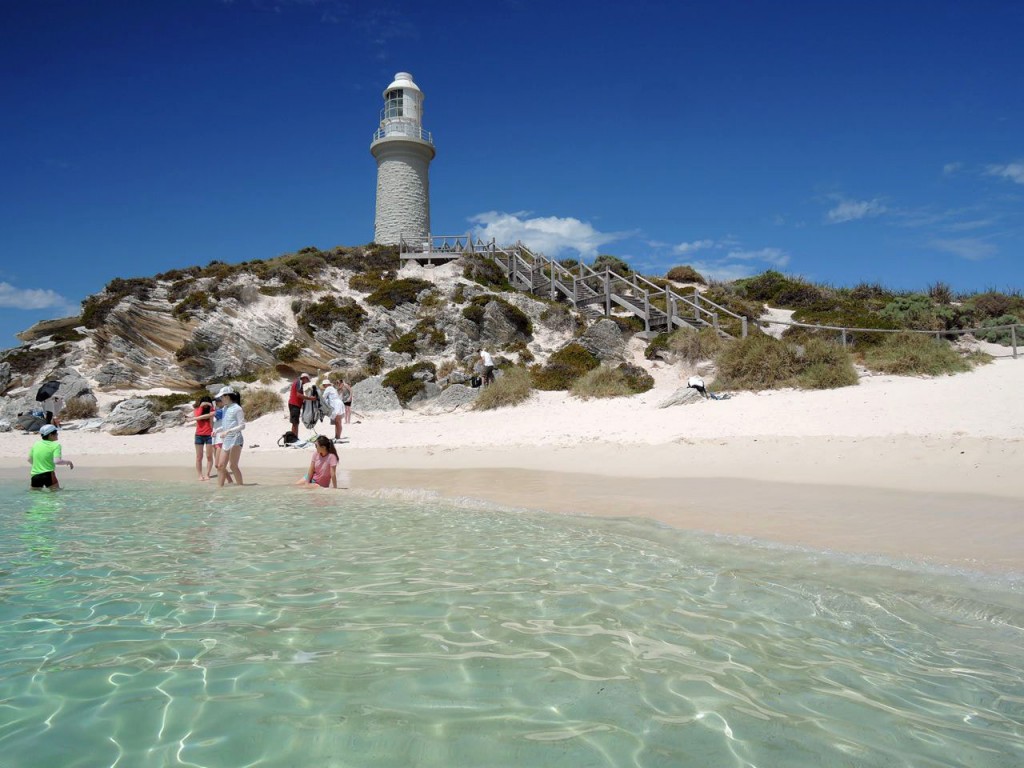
pixel 742 263
pixel 30 298
pixel 1011 171
pixel 852 210
pixel 696 245
pixel 950 169
pixel 969 248
pixel 774 256
pixel 550 235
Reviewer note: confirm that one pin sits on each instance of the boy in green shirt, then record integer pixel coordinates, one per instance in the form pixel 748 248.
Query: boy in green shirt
pixel 44 457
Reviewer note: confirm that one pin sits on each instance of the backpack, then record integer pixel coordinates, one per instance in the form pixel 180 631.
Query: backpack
pixel 287 439
pixel 312 410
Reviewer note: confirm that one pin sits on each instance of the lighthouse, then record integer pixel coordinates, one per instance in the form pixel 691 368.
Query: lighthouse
pixel 403 151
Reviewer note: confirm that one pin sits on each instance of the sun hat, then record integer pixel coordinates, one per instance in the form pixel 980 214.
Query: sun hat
pixel 305 376
pixel 47 429
pixel 224 391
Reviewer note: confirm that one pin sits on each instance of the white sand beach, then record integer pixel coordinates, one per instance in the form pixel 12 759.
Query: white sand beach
pixel 923 468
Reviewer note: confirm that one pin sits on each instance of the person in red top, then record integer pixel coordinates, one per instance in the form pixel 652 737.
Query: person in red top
pixel 295 401
pixel 203 414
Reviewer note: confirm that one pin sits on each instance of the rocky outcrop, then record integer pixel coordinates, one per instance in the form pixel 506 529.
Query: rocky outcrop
pixel 371 395
pixel 682 396
pixel 604 340
pixel 5 376
pixel 131 417
pixel 452 398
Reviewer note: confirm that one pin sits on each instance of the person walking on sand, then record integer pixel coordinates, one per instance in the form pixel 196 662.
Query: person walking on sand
pixel 696 382
pixel 51 410
pixel 232 424
pixel 44 456
pixel 488 361
pixel 333 405
pixel 323 468
pixel 203 414
pixel 296 398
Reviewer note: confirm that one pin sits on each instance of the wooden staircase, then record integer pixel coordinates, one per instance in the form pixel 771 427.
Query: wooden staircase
pixel 593 293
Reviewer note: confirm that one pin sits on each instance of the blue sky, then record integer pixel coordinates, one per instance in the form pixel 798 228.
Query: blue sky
pixel 845 142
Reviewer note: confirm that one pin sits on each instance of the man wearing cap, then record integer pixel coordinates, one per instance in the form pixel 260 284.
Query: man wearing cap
pixel 44 456
pixel 296 398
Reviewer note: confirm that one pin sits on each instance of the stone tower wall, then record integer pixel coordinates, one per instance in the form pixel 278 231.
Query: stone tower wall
pixel 403 190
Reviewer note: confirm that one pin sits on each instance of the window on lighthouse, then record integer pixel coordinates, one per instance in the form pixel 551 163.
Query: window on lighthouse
pixel 393 103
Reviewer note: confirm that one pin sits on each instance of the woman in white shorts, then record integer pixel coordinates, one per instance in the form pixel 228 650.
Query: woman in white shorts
pixel 232 424
pixel 335 408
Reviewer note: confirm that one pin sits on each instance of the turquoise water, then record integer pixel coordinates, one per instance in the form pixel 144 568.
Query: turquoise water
pixel 177 625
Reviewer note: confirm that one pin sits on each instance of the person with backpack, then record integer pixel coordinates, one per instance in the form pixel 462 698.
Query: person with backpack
pixel 44 456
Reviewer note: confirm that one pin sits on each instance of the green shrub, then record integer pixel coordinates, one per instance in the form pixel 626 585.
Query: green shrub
pixel 95 309
pixel 193 304
pixel 79 408
pixel 919 312
pixel 519 320
pixel 762 362
pixel 603 381
pixel 1002 336
pixel 289 353
pixel 329 310
pixel 940 293
pixel 914 353
pixel 194 349
pixel 405 344
pixel 391 293
pixel 511 388
pixel 368 282
pixel 613 263
pixel 169 402
pixel 637 379
pixel 260 401
pixel 692 345
pixel 484 271
pixel 994 304
pixel 779 290
pixel 628 325
pixel 657 346
pixel 404 383
pixel 374 363
pixel 28 360
pixel 459 294
pixel 685 274
pixel 520 348
pixel 373 258
pixel 563 368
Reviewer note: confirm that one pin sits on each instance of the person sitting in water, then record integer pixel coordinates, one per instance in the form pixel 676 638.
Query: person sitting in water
pixel 323 468
pixel 44 456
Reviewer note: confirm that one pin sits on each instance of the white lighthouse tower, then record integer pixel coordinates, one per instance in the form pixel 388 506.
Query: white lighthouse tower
pixel 403 151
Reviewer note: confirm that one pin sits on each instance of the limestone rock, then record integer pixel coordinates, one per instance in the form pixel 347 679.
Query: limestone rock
pixel 5 376
pixel 452 398
pixel 131 417
pixel 604 339
pixel 429 392
pixel 682 396
pixel 5 426
pixel 371 395
pixel 114 374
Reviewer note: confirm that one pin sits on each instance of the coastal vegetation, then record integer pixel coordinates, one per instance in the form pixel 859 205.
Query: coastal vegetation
pixel 408 381
pixel 259 401
pixel 514 386
pixel 607 381
pixel 564 367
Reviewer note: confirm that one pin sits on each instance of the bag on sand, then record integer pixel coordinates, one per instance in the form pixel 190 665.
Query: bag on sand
pixel 475 382
pixel 287 439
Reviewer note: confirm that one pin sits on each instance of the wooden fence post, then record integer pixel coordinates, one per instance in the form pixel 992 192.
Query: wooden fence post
pixel 1013 340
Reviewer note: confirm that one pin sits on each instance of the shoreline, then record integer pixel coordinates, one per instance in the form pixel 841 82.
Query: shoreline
pixel 941 501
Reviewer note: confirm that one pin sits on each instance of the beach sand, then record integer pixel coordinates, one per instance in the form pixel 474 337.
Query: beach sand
pixel 926 469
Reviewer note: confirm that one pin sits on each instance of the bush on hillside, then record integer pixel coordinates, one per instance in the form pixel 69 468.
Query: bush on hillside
pixel 613 263
pixel 914 353
pixel 391 293
pixel 288 353
pixel 261 401
pixel 761 362
pixel 404 382
pixel 329 310
pixel 779 290
pixel 1002 336
pixel 513 387
pixel 919 312
pixel 563 368
pixel 79 408
pixel 685 274
pixel 193 304
pixel 990 304
pixel 692 346
pixel 603 381
pixel 163 403
pixel 484 271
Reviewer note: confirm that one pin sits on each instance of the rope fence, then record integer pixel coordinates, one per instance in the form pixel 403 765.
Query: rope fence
pixel 937 334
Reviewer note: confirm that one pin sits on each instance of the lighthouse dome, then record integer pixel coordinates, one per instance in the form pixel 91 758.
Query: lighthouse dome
pixel 402 80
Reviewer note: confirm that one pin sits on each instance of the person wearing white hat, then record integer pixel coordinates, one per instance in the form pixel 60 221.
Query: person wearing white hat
pixel 221 402
pixel 44 456
pixel 232 424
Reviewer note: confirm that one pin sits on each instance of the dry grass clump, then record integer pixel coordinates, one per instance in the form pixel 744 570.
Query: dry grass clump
pixel 514 386
pixel 762 362
pixel 80 408
pixel 685 274
pixel 915 353
pixel 260 402
pixel 692 346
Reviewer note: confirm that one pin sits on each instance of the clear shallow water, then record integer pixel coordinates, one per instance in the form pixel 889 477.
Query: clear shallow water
pixel 172 625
